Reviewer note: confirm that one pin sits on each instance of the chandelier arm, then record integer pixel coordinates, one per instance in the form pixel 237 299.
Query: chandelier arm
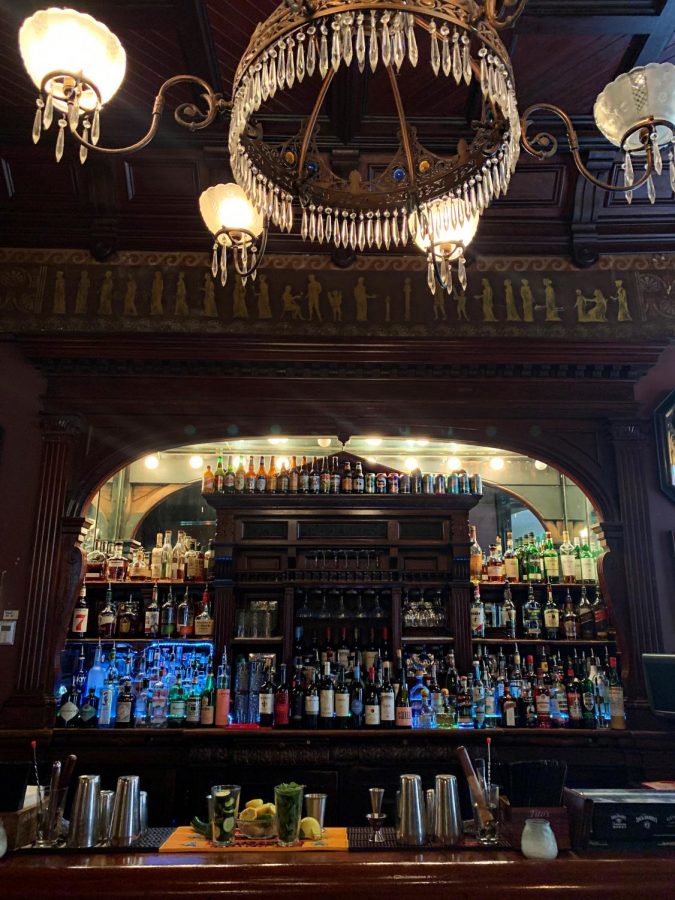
pixel 183 114
pixel 646 129
pixel 495 8
pixel 311 122
pixel 244 272
pixel 405 139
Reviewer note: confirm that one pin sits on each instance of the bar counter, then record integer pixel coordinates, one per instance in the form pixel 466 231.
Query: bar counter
pixel 344 875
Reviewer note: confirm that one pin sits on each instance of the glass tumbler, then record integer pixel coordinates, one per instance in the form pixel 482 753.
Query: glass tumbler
pixel 223 813
pixel 488 832
pixel 288 801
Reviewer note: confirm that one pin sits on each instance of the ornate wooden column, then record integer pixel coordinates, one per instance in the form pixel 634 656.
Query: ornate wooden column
pixel 56 568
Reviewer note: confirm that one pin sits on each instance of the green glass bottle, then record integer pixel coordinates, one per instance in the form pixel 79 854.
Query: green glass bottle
pixel 177 704
pixel 551 561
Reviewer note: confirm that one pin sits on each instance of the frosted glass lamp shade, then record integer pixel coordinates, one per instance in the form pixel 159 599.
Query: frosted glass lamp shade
pixel 451 239
pixel 226 206
pixel 63 41
pixel 635 95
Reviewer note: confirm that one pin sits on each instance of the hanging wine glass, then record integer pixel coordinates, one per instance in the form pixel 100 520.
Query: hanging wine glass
pixel 359 612
pixel 377 611
pixel 341 612
pixel 304 611
pixel 324 611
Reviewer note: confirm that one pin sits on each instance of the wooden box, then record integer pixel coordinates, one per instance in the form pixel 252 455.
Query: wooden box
pixel 20 826
pixel 513 820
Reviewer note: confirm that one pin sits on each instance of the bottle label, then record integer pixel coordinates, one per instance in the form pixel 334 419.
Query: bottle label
pixel 552 566
pixel 587 568
pixel 372 713
pixel 589 701
pixel 177 709
pixel 543 704
pixel 266 704
pixel 193 709
pixel 239 483
pixel 574 707
pixel 477 619
pixel 342 706
pixel 490 705
pixel 369 657
pixel 68 711
pixel 327 704
pixel 156 569
pixel 551 618
pixel 495 572
pixel 203 627
pixel 404 716
pixel 207 712
pixel 312 705
pixel 261 484
pixel 387 708
pixel 151 621
pixel 281 709
pixel 510 716
pixel 123 711
pixel 532 626
pixel 80 621
pixel 87 712
pixel 249 483
pixel 616 701
pixel 511 568
pixel 567 565
pixel 356 706
pixel 222 707
pixel 105 715
pixel 571 630
pixel 343 658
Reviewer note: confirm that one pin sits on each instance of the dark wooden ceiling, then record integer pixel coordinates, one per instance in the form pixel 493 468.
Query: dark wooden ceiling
pixel 564 51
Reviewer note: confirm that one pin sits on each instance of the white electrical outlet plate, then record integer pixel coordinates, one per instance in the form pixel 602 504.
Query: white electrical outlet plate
pixel 7 633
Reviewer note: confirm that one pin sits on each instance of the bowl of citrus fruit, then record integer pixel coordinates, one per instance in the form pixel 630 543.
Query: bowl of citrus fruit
pixel 258 821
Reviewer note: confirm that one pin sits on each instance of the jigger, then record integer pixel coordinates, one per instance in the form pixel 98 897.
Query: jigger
pixel 376 798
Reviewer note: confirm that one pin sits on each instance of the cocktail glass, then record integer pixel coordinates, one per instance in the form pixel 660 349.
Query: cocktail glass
pixel 224 811
pixel 288 801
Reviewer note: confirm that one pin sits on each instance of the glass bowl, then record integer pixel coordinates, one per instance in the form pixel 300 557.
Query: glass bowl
pixel 263 829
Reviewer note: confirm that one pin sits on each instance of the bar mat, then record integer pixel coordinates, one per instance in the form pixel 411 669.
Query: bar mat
pixel 186 840
pixel 151 840
pixel 359 840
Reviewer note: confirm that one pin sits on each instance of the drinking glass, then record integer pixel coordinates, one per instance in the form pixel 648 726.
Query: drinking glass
pixel 488 832
pixel 288 801
pixel 50 817
pixel 223 813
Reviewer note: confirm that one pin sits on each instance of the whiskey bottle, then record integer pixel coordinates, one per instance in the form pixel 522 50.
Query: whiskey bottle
pixel 550 560
pixel 124 711
pixel 204 620
pixel 570 619
pixel 126 620
pixel 531 616
pixel 616 699
pixel 600 616
pixel 586 617
pixel 533 561
pixel 495 565
pixel 166 558
pixel 511 568
pixel 477 614
pixel 80 615
pixel 475 557
pixel 219 476
pixel 567 560
pixel 229 479
pixel 117 565
pixel 588 564
pixel 106 617
pixel 156 559
pixel 551 616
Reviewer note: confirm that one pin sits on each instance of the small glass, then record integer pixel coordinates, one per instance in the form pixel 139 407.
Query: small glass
pixel 288 801
pixel 488 832
pixel 223 813
pixel 50 817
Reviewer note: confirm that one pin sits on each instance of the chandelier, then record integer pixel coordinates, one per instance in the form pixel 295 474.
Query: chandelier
pixel 433 201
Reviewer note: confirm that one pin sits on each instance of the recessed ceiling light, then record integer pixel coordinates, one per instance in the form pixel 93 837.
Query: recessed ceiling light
pixel 374 442
pixel 497 463
pixel 538 464
pixel 152 461
pixel 196 462
pixel 324 442
pixel 410 463
pixel 454 463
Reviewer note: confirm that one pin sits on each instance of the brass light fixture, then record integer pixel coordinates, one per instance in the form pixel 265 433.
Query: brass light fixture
pixel 435 201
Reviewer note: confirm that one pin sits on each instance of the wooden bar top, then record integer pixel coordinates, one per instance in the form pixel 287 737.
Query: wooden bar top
pixel 462 875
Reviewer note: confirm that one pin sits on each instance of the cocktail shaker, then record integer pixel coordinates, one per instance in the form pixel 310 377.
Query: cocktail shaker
pixel 84 828
pixel 125 827
pixel 448 827
pixel 412 826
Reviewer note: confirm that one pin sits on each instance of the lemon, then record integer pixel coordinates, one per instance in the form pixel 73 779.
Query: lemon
pixel 254 804
pixel 310 829
pixel 248 814
pixel 267 809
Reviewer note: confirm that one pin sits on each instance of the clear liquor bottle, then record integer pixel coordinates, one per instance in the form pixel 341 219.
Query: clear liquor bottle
pixel 477 614
pixel 117 565
pixel 106 617
pixel 475 556
pixel 511 566
pixel 567 565
pixel 166 558
pixel 532 616
pixel 159 705
pixel 156 559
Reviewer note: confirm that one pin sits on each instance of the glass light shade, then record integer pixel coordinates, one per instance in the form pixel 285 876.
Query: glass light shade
pixel 451 240
pixel 227 206
pixel 635 95
pixel 63 41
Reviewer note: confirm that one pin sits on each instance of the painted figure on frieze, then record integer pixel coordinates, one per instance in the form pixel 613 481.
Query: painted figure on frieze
pixel 181 308
pixel 512 314
pixel 552 309
pixel 129 308
pixel 239 307
pixel 105 295
pixel 460 298
pixel 527 297
pixel 486 297
pixel 621 297
pixel 59 307
pixel 314 289
pixel 361 297
pixel 209 291
pixel 156 295
pixel 597 312
pixel 291 306
pixel 439 304
pixel 82 294
pixel 263 298
pixel 335 301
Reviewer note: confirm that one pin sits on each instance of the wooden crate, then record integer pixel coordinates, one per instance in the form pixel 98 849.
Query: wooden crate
pixel 513 820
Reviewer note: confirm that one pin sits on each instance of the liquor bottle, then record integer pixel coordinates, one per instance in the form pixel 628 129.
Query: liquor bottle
pixel 272 477
pixel 185 618
pixel 210 561
pixel 342 713
pixel 311 718
pixel 600 680
pixel 283 481
pixel 531 615
pixel 191 560
pixel 96 674
pixel 297 701
pixel 324 477
pixel 219 476
pixel 177 704
pixel 475 556
pixel 586 617
pixel 326 699
pixel 327 651
pixel 222 715
pixel 335 477
pixel 142 707
pixel 385 655
pixel 616 698
pixel 570 619
pixel 588 564
pixel 159 703
pixel 151 617
pixel 193 701
pixel 509 613
pixel 403 710
pixel 293 476
pixel 266 698
pixel 387 702
pixel 117 564
pixel 80 620
pixel 106 617
pixel 261 477
pixel 156 559
pixel 108 702
pixel 477 614
pixel 550 560
pixel 67 714
pixel 178 558
pixel 600 616
pixel 533 561
pixel 577 561
pixel 371 701
pixel 250 478
pixel 240 477
pixel 89 710
pixel 495 565
pixel 355 654
pixel 229 478
pixel 203 623
pixel 343 651
pixel 208 481
pixel 126 620
pixel 371 652
pixel 511 567
pixel 124 712
pixel 509 715
pixel 314 477
pixel 356 698
pixel 358 480
pixel 166 557
pixel 347 480
pixel 303 477
pixel 167 616
pixel 282 697
pixel 587 701
pixel 478 698
pixel 542 701
pixel 567 560
pixel 551 616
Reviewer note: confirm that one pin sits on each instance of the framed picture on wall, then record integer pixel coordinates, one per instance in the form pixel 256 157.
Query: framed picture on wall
pixel 664 422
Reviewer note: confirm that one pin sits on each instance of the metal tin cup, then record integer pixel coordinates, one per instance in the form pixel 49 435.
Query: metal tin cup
pixel 412 827
pixel 84 828
pixel 106 804
pixel 125 826
pixel 315 806
pixel 144 811
pixel 448 826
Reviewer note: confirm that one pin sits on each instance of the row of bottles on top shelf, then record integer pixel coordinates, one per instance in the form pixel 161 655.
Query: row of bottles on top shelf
pixel 184 615
pixel 585 621
pixel 185 560
pixel 534 560
pixel 326 475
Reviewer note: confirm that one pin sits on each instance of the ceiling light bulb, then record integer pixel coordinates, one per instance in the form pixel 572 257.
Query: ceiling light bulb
pixel 538 464
pixel 423 442
pixel 374 442
pixel 63 42
pixel 196 462
pixel 454 463
pixel 277 441
pixel 583 534
pixel 497 463
pixel 152 461
pixel 324 442
pixel 449 239
pixel 410 463
pixel 227 212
